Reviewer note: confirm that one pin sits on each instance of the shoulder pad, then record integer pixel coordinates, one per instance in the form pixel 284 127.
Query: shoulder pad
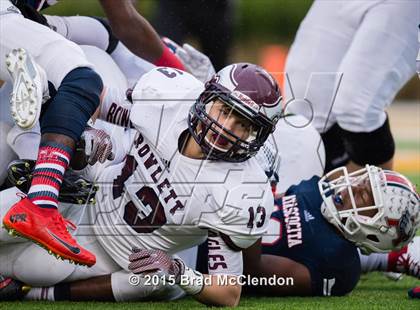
pixel 166 83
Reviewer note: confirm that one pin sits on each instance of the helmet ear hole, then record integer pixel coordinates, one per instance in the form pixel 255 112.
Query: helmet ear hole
pixel 372 238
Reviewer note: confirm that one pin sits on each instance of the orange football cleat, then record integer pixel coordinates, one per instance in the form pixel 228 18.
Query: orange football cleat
pixel 47 228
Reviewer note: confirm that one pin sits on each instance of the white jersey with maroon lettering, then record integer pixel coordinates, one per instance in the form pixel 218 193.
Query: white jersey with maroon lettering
pixel 157 198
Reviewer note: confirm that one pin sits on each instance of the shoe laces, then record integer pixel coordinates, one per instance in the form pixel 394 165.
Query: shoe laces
pixel 62 224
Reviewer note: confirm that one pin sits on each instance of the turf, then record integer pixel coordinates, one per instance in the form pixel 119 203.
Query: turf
pixel 374 291
pixel 415 179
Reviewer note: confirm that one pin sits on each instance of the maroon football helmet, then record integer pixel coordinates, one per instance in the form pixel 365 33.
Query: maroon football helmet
pixel 248 90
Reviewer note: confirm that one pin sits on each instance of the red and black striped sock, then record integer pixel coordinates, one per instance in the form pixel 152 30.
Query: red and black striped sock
pixel 53 160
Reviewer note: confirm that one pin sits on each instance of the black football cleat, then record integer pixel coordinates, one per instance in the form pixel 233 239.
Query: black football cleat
pixel 11 290
pixel 74 188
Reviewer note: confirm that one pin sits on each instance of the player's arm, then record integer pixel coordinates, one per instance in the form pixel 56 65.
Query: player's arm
pixel 263 265
pixel 132 29
pixel 218 294
pixel 211 289
pixel 224 264
pixel 136 33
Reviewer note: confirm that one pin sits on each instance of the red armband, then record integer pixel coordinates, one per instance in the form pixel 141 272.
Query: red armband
pixel 169 59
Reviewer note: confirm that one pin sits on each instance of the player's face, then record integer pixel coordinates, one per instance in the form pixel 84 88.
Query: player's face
pixel 230 120
pixel 363 197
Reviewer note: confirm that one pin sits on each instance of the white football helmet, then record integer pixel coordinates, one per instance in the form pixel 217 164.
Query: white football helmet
pixel 397 203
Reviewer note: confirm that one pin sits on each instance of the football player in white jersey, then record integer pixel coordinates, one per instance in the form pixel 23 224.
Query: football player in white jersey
pixel 293 125
pixel 190 169
pixel 348 61
pixel 188 173
pixel 78 90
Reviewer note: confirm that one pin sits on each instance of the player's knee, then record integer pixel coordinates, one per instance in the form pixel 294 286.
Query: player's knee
pixel 76 100
pixel 84 82
pixel 375 147
pixel 43 269
pixel 60 58
pixel 359 114
pixel 112 39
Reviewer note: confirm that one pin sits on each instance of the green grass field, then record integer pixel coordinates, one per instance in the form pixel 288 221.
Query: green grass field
pixel 374 291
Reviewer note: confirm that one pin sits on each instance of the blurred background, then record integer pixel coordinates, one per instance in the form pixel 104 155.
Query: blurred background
pixel 258 31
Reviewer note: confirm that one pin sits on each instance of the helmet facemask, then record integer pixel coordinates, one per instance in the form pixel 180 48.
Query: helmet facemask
pixel 361 224
pixel 210 133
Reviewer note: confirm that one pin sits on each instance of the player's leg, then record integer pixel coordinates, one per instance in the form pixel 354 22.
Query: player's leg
pixel 31 265
pixel 77 284
pixel 100 35
pixel 378 63
pixel 103 282
pixel 8 197
pixel 113 285
pixel 313 60
pixel 5 90
pixel 27 262
pixel 122 286
pixel 78 90
pixel 24 143
pixel 105 66
pixel 74 28
pixel 7 153
pixel 312 69
pixel 313 75
pixel 132 66
pixel 6 123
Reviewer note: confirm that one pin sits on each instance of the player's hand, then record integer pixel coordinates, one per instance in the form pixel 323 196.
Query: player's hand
pixel 193 60
pixel 268 158
pixel 98 145
pixel 156 261
pixel 196 62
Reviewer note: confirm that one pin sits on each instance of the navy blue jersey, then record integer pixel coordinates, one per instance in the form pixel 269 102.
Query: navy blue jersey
pixel 299 232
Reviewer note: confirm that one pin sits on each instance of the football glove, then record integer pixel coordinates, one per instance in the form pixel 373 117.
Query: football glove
pixel 193 60
pixel 158 262
pixel 97 144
